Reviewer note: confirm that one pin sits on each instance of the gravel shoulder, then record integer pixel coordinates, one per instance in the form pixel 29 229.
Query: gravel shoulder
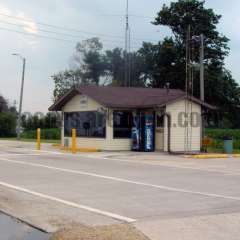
pixel 112 232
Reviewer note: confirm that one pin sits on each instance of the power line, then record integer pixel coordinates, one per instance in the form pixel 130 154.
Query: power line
pixel 36 35
pixel 53 32
pixel 59 27
pixel 123 15
pixel 60 33
pixel 50 38
pixel 111 15
pixel 72 29
pixel 39 36
pixel 140 16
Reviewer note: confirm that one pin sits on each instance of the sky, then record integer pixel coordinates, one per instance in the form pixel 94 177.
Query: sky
pixel 105 18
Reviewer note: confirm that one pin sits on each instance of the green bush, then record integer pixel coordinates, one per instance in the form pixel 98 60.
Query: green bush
pixel 46 134
pixel 218 135
pixel 221 133
pixel 7 124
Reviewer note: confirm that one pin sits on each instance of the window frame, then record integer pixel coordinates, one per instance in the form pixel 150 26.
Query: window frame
pixel 86 137
pixel 113 127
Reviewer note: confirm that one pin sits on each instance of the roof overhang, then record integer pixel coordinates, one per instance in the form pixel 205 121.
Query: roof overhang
pixel 195 100
pixel 62 101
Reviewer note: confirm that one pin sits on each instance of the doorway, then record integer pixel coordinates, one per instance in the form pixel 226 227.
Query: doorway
pixel 159 132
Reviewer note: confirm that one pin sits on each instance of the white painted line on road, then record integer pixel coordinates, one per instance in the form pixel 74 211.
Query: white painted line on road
pixel 167 165
pixel 162 187
pixel 68 203
pixel 40 151
pixel 50 152
pixel 22 151
pixel 20 154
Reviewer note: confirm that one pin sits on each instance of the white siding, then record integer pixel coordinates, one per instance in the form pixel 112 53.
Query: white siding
pixel 159 139
pixel 178 132
pixel 74 105
pixel 107 143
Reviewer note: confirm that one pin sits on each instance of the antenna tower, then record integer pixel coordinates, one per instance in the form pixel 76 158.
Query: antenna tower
pixel 127 49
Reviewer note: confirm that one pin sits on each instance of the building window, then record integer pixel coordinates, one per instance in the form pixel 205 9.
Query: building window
pixel 122 124
pixel 87 124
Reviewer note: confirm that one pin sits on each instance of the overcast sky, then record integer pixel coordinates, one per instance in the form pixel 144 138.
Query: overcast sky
pixel 46 57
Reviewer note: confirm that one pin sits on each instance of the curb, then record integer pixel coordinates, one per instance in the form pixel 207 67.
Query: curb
pixel 212 156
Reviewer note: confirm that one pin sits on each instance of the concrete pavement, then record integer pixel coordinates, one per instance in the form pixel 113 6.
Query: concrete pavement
pixel 163 196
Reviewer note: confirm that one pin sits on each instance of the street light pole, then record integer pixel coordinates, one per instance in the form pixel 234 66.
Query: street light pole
pixel 21 97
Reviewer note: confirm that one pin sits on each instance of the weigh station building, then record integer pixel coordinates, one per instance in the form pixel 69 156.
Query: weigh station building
pixel 138 119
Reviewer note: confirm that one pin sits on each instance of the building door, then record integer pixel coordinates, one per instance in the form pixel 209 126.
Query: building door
pixel 159 132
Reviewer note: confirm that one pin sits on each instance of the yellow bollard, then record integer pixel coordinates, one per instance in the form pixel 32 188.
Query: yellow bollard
pixel 38 139
pixel 74 140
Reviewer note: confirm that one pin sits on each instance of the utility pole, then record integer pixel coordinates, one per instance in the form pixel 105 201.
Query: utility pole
pixel 202 94
pixel 21 97
pixel 187 88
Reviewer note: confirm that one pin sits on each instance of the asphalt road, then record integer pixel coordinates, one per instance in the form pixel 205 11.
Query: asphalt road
pixel 47 188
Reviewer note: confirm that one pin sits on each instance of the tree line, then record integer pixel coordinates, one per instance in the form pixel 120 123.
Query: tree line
pixel 155 65
pixel 49 123
pixel 8 118
pixel 40 120
pixel 29 122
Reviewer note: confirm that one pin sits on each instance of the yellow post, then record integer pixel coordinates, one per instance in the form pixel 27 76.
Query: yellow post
pixel 38 139
pixel 74 140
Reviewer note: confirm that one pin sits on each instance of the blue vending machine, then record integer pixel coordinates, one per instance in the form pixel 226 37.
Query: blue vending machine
pixel 149 133
pixel 136 132
pixel 143 131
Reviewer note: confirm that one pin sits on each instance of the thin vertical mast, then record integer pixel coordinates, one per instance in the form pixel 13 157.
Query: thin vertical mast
pixel 127 46
pixel 129 57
